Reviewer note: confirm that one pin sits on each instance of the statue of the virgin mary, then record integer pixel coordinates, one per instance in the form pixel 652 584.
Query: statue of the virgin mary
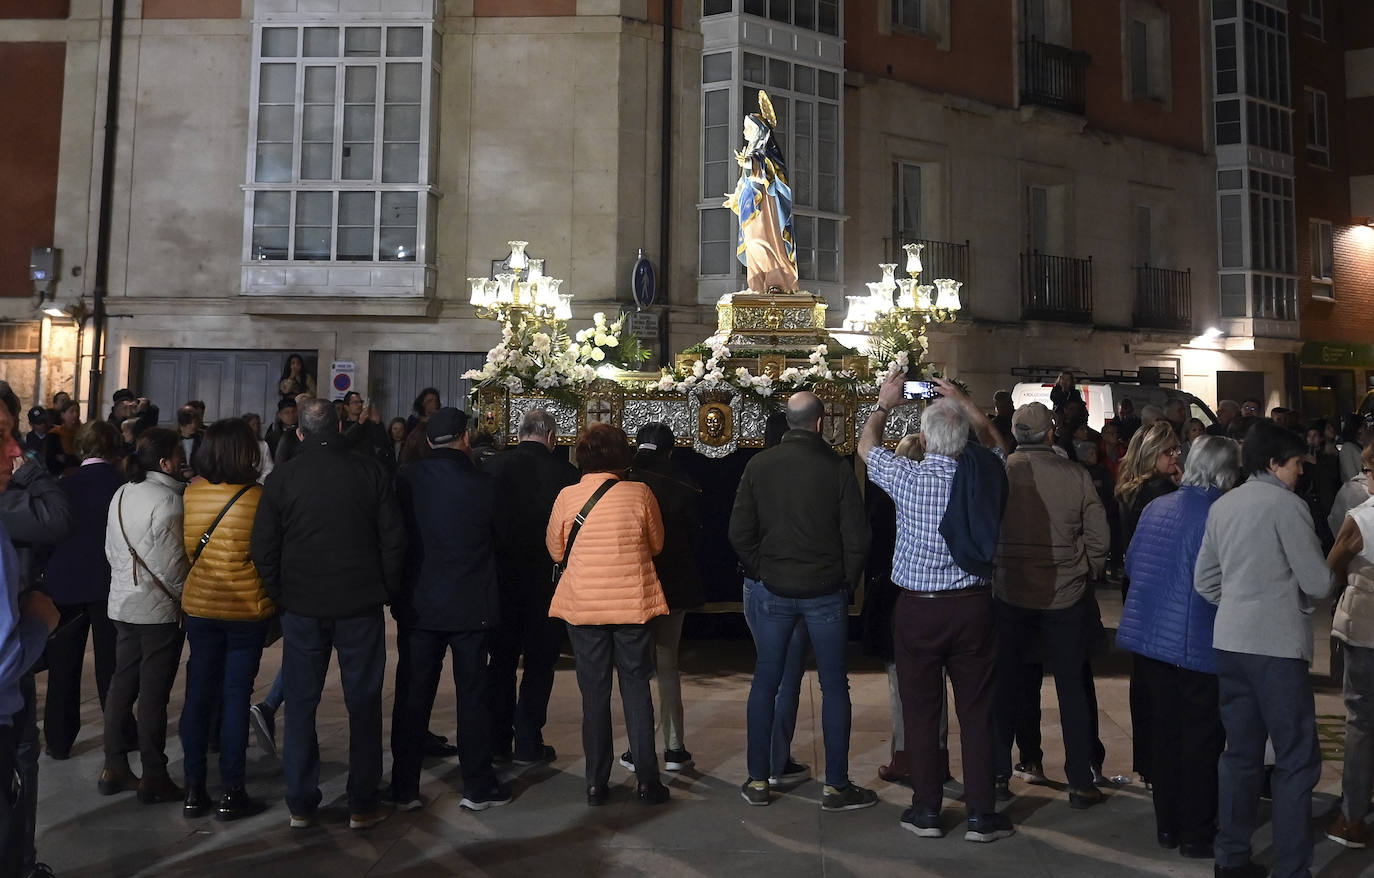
pixel 763 201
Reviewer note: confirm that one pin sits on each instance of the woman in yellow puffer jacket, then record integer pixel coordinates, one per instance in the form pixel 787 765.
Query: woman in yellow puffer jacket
pixel 226 614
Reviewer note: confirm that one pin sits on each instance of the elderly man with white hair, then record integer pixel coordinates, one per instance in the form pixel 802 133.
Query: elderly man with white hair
pixel 949 508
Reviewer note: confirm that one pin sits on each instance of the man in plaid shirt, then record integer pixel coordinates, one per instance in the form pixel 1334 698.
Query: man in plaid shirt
pixel 944 616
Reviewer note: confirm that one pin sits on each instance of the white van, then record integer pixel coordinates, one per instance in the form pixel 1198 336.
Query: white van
pixel 1101 398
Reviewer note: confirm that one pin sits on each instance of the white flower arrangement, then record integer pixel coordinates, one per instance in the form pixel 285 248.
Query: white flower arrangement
pixel 539 354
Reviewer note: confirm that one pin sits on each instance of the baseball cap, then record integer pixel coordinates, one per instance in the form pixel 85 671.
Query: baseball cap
pixel 124 394
pixel 446 425
pixel 1031 419
pixel 37 413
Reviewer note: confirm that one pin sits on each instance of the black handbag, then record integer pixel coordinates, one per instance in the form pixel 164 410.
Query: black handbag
pixel 560 566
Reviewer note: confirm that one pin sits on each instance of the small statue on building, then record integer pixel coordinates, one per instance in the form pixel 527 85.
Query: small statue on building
pixel 763 201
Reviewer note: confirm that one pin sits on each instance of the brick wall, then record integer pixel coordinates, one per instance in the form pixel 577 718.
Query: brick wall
pixel 1098 30
pixel 978 63
pixel 31 78
pixel 983 49
pixel 1324 193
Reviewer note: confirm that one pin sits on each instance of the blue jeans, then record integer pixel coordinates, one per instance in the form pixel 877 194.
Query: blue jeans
pixel 360 642
pixel 1265 697
pixel 776 620
pixel 789 688
pixel 276 695
pixel 223 664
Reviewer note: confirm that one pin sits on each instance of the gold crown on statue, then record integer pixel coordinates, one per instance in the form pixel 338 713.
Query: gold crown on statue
pixel 766 109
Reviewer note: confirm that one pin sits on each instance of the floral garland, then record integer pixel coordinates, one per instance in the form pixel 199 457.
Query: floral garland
pixel 536 354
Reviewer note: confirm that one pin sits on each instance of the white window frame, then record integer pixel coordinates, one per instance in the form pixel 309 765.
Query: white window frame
pixel 1314 19
pixel 1315 106
pixel 901 232
pixel 1321 258
pixel 403 277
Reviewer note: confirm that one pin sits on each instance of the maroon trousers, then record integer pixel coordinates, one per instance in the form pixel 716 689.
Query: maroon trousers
pixel 957 634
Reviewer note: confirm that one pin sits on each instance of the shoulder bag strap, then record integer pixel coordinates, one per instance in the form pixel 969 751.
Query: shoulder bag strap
pixel 205 537
pixel 582 516
pixel 138 561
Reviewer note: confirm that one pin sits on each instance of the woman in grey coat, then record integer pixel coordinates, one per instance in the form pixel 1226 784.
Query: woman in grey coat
pixel 1262 565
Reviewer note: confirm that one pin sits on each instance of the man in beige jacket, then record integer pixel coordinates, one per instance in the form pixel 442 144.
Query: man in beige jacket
pixel 1054 542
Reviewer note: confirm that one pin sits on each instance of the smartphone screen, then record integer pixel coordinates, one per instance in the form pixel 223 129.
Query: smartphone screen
pixel 919 390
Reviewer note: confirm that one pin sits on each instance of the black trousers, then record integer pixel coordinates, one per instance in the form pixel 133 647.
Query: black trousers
pixel 518 717
pixel 1063 637
pixel 1186 741
pixel 19 800
pixel 307 643
pixel 11 814
pixel 627 650
pixel 426 658
pixel 1028 714
pixel 146 661
pixel 66 655
pixel 954 633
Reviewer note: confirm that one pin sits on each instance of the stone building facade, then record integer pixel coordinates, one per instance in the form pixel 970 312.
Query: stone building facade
pixel 323 176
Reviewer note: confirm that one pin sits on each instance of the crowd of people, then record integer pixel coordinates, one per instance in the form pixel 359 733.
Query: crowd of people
pixel 980 542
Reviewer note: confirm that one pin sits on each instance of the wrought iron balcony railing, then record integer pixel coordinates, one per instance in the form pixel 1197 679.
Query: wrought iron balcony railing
pixel 1054 76
pixel 1056 288
pixel 1163 298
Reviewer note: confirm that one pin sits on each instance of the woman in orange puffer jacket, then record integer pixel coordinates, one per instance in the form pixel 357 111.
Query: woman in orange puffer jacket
pixel 226 614
pixel 607 593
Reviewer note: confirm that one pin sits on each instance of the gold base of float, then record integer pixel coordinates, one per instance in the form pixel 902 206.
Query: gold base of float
pixel 767 334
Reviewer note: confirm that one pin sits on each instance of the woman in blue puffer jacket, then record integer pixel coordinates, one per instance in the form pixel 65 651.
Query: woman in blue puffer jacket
pixel 1169 625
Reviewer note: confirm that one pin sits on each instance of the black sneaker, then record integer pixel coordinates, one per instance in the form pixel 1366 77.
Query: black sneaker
pixel 1081 800
pixel 792 772
pixel 926 825
pixel 851 797
pixel 1002 789
pixel 988 827
pixel 676 760
pixel 1030 772
pixel 756 792
pixel 437 747
pixel 627 759
pixel 493 798
pixel 535 755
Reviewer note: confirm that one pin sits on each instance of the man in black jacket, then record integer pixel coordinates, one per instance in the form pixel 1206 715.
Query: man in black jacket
pixel 527 480
pixel 449 602
pixel 799 528
pixel 679 500
pixel 329 544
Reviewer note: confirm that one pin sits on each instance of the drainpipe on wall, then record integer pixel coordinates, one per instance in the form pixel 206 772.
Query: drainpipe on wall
pixel 666 184
pixel 102 241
